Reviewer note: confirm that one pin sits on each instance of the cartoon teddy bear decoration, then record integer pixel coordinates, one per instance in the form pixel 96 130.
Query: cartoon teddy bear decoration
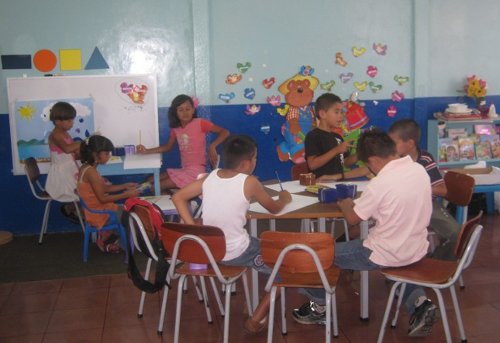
pixel 299 113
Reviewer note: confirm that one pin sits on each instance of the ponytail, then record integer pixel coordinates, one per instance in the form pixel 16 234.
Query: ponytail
pixel 92 146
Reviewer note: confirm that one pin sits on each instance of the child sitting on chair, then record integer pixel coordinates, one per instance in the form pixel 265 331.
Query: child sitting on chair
pixel 98 194
pixel 227 193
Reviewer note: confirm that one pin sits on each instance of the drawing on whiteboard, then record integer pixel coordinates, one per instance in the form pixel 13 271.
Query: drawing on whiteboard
pixel 34 126
pixel 135 92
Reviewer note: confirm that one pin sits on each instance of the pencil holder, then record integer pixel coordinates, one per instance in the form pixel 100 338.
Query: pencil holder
pixel 328 195
pixel 346 190
pixel 307 179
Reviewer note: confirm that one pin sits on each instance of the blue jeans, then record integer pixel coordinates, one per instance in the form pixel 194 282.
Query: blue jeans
pixel 251 258
pixel 353 255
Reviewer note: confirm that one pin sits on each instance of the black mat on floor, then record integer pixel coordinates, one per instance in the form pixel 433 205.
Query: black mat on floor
pixel 60 256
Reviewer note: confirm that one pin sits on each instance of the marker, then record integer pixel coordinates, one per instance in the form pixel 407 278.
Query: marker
pixel 277 176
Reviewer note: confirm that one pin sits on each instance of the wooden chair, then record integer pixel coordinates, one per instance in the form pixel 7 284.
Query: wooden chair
pixel 199 244
pixel 460 189
pixel 33 176
pixel 302 260
pixel 435 274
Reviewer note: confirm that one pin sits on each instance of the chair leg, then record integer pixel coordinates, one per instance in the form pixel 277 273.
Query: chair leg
pixel 45 221
pixel 226 317
pixel 334 315
pixel 163 308
pixel 284 329
pixel 461 282
pixel 458 314
pixel 217 297
pixel 387 311
pixel 140 312
pixel 86 238
pixel 272 303
pixel 205 300
pixel 178 308
pixel 123 239
pixel 79 214
pixel 197 289
pixel 444 318
pixel 402 290
pixel 247 294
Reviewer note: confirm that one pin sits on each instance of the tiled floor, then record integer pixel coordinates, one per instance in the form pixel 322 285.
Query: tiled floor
pixel 103 309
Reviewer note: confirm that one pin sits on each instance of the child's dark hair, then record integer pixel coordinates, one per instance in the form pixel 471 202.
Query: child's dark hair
pixel 94 144
pixel 62 111
pixel 406 129
pixel 173 120
pixel 237 148
pixel 375 142
pixel 325 101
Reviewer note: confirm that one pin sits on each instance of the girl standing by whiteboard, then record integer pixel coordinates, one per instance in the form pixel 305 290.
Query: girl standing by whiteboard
pixel 189 132
pixel 62 176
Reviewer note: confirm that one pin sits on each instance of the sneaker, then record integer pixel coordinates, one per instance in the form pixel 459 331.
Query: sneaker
pixel 309 313
pixel 422 319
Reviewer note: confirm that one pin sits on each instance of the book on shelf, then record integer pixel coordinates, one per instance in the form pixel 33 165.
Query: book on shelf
pixel 448 150
pixel 466 148
pixel 455 133
pixel 494 141
pixel 484 129
pixel 483 150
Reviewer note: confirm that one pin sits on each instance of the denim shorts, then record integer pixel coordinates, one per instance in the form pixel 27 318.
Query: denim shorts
pixel 251 258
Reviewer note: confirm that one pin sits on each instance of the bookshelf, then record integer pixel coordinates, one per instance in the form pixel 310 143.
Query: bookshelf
pixel 468 125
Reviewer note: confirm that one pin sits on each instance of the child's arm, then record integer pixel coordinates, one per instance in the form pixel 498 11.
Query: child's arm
pixel 347 208
pixel 100 191
pixel 182 198
pixel 110 188
pixel 141 149
pixel 315 162
pixel 57 138
pixel 351 174
pixel 255 190
pixel 222 134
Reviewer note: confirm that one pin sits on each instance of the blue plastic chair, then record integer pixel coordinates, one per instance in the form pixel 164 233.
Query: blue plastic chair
pixel 113 223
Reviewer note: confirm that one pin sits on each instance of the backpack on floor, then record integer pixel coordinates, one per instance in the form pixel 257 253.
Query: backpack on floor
pixel 154 235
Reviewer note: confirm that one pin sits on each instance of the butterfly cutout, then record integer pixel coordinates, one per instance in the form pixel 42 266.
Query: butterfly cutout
pixel 397 96
pixel 374 87
pixel 372 71
pixel 252 109
pixel 284 110
pixel 346 77
pixel 268 83
pixel 249 93
pixel 401 80
pixel 380 49
pixel 226 97
pixel 339 59
pixel 243 67
pixel 392 111
pixel 358 51
pixel 274 100
pixel 327 86
pixel 232 79
pixel 360 86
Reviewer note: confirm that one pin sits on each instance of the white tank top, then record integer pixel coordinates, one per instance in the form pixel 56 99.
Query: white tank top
pixel 225 206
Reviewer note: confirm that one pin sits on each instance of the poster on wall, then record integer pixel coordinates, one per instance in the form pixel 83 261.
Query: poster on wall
pixel 123 108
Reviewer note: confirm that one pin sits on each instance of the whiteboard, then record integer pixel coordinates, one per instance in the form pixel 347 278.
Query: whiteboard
pixel 123 108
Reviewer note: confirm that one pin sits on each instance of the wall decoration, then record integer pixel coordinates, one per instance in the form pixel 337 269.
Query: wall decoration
pixel 339 59
pixel 380 49
pixel 355 113
pixel 134 92
pixel 401 80
pixel 299 113
pixel 327 86
pixel 274 100
pixel 249 93
pixel 243 67
pixel 226 97
pixel 265 128
pixel 392 111
pixel 374 87
pixel 96 61
pixel 397 96
pixel 16 61
pixel 268 83
pixel 371 71
pixel 252 109
pixel 44 60
pixel 346 77
pixel 70 59
pixel 232 79
pixel 360 86
pixel 358 51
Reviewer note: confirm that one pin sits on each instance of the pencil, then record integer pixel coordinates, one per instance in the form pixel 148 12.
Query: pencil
pixel 277 176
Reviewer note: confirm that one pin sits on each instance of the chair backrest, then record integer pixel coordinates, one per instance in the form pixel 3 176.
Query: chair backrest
pixel 142 231
pixel 33 175
pixel 469 241
pixel 465 234
pixel 460 188
pixel 298 169
pixel 297 261
pixel 189 248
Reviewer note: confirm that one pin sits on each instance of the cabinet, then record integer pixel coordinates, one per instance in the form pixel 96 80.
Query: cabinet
pixel 468 125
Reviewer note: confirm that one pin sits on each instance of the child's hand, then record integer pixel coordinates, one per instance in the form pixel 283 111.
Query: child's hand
pixel 140 149
pixel 132 193
pixel 130 185
pixel 212 154
pixel 344 146
pixel 285 196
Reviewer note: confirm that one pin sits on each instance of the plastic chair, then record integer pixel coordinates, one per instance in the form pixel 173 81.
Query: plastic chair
pixel 302 260
pixel 113 223
pixel 33 176
pixel 139 220
pixel 435 274
pixel 199 244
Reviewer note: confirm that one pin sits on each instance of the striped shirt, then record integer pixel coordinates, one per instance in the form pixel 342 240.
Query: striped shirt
pixel 427 161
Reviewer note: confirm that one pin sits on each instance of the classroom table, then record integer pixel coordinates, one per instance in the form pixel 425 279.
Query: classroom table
pixel 318 211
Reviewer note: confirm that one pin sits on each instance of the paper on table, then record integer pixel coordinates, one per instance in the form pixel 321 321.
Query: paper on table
pixel 164 202
pixel 114 159
pixel 492 178
pixel 138 161
pixel 290 186
pixel 298 202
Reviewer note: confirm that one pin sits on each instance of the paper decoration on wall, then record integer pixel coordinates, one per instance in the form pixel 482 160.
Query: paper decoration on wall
pixel 44 60
pixel 226 97
pixel 327 86
pixel 274 100
pixel 371 71
pixel 249 93
pixel 355 113
pixel 16 61
pixel 392 111
pixel 70 59
pixel 96 61
pixel 243 67
pixel 358 51
pixel 401 80
pixel 374 87
pixel 265 128
pixel 135 93
pixel 375 102
pixel 268 83
pixel 346 77
pixel 339 59
pixel 397 96
pixel 306 70
pixel 360 86
pixel 232 79
pixel 380 49
pixel 282 111
pixel 252 109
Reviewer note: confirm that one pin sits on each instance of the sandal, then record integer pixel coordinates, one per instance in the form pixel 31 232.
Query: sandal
pixel 109 244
